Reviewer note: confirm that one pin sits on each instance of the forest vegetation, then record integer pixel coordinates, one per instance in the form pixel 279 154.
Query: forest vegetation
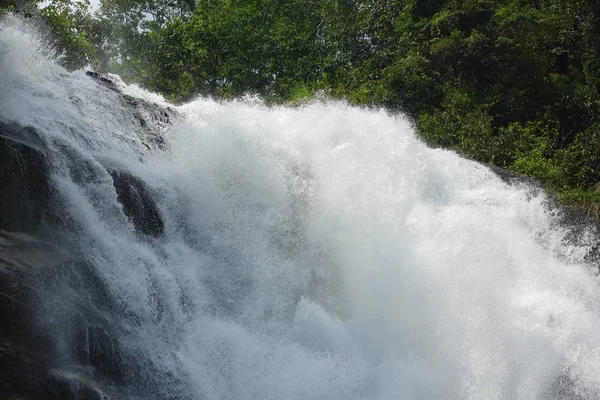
pixel 513 83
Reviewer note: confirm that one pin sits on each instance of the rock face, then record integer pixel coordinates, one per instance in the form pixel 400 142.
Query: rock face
pixel 579 227
pixel 152 117
pixel 25 353
pixel 134 195
pixel 512 177
pixel 36 262
pixel 22 359
pixel 23 178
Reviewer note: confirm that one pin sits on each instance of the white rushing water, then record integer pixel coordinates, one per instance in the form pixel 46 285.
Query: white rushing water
pixel 319 252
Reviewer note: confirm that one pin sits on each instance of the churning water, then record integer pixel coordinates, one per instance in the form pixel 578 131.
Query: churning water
pixel 317 252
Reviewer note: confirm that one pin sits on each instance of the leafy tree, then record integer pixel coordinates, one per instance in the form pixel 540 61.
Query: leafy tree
pixel 69 24
pixel 510 82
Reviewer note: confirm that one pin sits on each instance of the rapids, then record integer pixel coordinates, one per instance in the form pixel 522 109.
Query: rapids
pixel 315 252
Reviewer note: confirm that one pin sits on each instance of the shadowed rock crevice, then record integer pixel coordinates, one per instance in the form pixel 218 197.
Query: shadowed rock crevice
pixel 138 203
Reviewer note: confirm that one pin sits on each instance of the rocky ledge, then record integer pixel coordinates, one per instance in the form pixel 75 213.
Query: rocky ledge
pixel 578 226
pixel 154 118
pixel 35 260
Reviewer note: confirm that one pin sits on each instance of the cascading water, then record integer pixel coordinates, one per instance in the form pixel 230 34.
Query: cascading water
pixel 318 252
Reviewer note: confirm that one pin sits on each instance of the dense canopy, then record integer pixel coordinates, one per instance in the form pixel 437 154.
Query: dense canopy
pixel 509 82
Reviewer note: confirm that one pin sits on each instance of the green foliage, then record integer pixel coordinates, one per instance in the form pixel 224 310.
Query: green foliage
pixel 413 88
pixel 6 6
pixel 461 125
pixel 510 82
pixel 582 201
pixel 25 8
pixel 67 22
pixel 538 164
pixel 580 161
pixel 72 33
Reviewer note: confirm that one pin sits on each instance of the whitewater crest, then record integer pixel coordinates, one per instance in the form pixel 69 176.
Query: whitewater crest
pixel 248 252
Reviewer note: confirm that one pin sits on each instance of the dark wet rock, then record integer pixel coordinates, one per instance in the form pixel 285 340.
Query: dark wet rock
pixel 85 323
pixel 154 118
pixel 24 188
pixel 577 226
pixel 38 277
pixel 532 186
pixel 97 347
pixel 511 177
pixel 138 203
pixel 24 353
pixel 36 280
pixel 105 79
pixel 22 372
pixel 21 258
pixel 59 329
pixel 69 385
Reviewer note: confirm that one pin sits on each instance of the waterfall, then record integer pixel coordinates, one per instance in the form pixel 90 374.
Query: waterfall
pixel 313 252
